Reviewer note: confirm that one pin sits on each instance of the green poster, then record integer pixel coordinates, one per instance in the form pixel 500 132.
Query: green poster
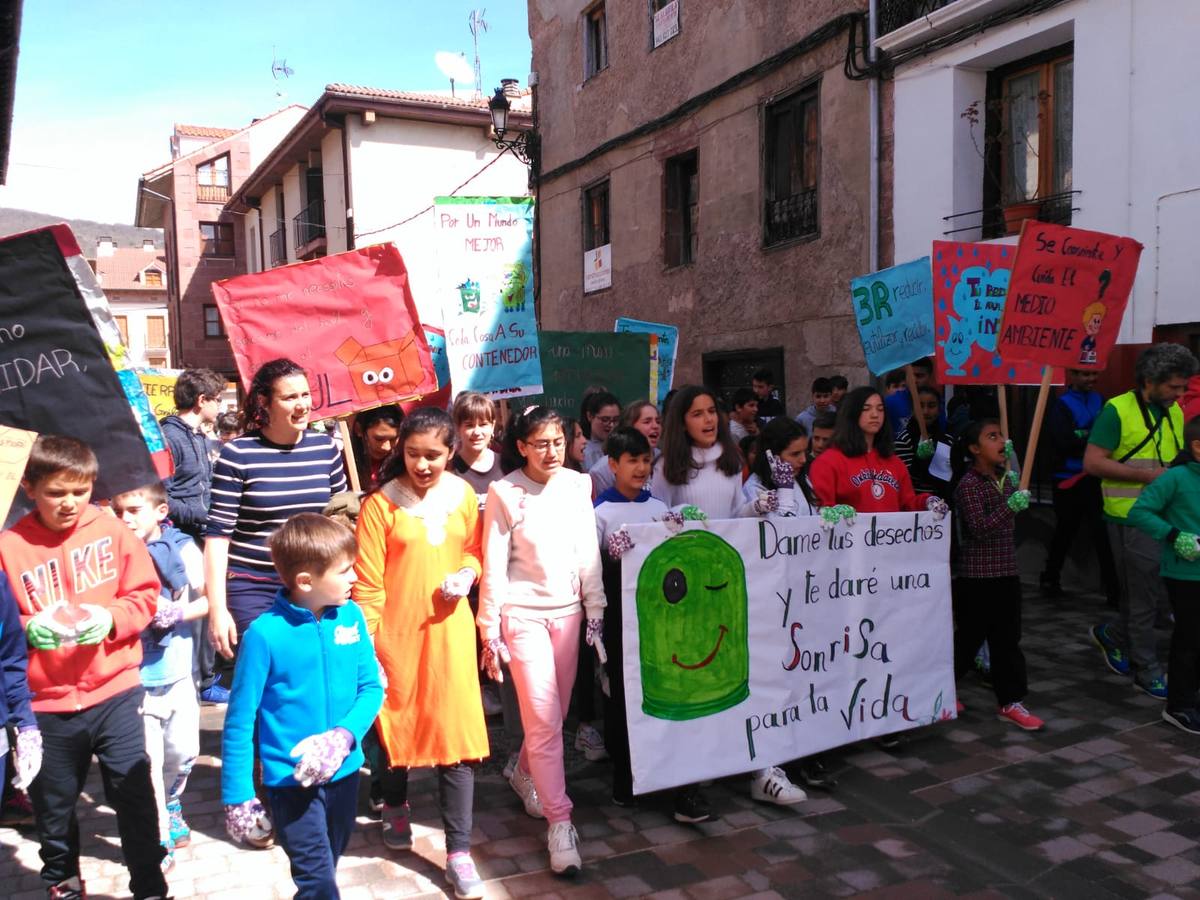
pixel 573 361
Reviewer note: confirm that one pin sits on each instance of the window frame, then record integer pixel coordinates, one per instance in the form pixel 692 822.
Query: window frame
pixel 996 175
pixel 680 243
pixel 595 40
pixel 162 323
pixel 216 318
pixel 211 248
pixel 152 270
pixel 211 166
pixel 588 231
pixel 656 6
pixel 806 95
pixel 121 320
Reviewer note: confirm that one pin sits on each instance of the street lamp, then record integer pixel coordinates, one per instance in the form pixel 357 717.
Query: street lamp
pixel 522 145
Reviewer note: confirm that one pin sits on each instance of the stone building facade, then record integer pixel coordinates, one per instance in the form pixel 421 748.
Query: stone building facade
pixel 705 165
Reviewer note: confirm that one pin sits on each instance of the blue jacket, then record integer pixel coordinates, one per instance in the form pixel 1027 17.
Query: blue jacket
pixel 297 676
pixel 190 488
pixel 167 657
pixel 15 697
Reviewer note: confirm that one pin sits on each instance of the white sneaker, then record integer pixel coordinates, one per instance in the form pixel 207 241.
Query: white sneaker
pixel 561 840
pixel 772 786
pixel 523 785
pixel 589 742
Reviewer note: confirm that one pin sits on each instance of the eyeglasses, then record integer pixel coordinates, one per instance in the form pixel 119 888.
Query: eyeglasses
pixel 544 445
pixel 606 420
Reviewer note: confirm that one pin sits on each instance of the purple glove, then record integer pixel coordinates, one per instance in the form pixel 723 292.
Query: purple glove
pixel 458 585
pixel 782 472
pixel 27 757
pixel 168 616
pixel 766 502
pixel 594 637
pixel 321 755
pixel 494 652
pixel 248 823
pixel 938 507
pixel 620 543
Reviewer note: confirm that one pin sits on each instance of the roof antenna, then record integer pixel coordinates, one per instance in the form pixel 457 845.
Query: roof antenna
pixel 280 69
pixel 477 25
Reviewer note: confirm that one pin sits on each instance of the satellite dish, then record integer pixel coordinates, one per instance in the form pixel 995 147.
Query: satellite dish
pixel 454 66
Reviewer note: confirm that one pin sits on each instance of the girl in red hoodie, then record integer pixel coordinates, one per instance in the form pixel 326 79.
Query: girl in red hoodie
pixel 859 468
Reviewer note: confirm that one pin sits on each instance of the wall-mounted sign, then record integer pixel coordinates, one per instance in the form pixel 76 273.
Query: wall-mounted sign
pixel 597 269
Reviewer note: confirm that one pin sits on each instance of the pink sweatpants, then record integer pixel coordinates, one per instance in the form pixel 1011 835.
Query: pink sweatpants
pixel 545 653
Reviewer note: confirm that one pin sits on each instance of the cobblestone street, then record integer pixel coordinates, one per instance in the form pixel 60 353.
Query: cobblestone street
pixel 1104 803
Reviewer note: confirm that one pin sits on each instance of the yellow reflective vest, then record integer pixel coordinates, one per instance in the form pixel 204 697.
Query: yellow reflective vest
pixel 1156 453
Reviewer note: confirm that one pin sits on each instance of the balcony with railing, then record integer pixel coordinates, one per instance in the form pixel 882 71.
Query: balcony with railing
pixel 999 220
pixel 278 244
pixel 212 193
pixel 310 226
pixel 790 218
pixel 894 14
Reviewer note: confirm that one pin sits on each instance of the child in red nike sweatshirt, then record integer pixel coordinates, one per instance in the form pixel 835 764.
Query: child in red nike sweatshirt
pixel 86 587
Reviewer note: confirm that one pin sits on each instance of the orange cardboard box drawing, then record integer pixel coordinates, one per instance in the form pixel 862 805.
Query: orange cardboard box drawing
pixel 382 372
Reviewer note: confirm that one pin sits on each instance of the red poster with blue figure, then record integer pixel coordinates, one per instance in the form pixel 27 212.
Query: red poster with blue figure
pixel 970 286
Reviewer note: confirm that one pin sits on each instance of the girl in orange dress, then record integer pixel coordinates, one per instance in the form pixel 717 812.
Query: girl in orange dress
pixel 418 556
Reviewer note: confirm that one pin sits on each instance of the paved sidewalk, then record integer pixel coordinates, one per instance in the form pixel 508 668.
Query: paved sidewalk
pixel 1104 803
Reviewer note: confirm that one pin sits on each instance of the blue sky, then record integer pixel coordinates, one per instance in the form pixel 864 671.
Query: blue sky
pixel 100 84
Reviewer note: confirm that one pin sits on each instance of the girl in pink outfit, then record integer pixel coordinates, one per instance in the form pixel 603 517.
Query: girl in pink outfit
pixel 541 579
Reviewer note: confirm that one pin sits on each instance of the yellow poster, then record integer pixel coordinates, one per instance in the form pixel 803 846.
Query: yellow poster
pixel 160 388
pixel 15 444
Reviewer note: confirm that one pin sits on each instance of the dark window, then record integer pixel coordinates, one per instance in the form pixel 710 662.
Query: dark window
pixel 790 168
pixel 681 208
pixel 727 370
pixel 216 239
pixel 212 180
pixel 1029 134
pixel 213 327
pixel 595 31
pixel 595 216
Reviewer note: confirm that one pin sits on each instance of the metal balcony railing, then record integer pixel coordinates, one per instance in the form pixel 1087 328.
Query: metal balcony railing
pixel 310 223
pixel 278 248
pixel 790 218
pixel 895 14
pixel 990 221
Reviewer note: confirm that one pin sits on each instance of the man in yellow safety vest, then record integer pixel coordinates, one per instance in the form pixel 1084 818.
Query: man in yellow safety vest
pixel 1133 440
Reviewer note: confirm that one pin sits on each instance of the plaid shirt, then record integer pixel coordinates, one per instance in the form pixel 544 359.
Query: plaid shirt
pixel 989 547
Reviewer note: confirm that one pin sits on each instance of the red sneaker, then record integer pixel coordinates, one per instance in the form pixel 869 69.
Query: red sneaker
pixel 1020 716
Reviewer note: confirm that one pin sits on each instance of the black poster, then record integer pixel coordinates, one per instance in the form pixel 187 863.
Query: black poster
pixel 55 377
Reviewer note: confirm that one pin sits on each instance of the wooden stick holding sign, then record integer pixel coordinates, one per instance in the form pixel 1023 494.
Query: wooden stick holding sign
pixel 1039 413
pixel 348 449
pixel 910 378
pixel 1002 401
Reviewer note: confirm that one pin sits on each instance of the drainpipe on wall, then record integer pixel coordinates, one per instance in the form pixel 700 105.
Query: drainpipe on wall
pixel 873 180
pixel 346 183
pixel 535 169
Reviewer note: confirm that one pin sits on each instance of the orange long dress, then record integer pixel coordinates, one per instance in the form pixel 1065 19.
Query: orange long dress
pixel 432 711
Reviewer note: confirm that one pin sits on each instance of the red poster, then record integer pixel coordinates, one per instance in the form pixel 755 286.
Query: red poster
pixel 349 319
pixel 1067 296
pixel 970 286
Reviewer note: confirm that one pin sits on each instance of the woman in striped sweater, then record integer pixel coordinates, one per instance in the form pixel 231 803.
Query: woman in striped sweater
pixel 277 469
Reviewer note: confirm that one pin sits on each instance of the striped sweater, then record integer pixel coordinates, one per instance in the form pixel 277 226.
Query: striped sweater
pixel 259 485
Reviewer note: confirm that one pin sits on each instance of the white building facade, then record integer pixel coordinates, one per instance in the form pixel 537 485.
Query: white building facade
pixel 363 167
pixel 1086 104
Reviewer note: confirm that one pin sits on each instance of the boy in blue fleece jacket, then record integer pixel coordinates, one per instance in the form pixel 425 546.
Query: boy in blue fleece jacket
pixel 16 707
pixel 307 680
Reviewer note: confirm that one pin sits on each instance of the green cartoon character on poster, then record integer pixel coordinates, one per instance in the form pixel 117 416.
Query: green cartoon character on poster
pixel 468 292
pixel 692 628
pixel 512 292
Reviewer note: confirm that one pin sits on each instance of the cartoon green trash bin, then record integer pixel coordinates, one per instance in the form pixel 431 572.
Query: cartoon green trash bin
pixel 468 292
pixel 692 628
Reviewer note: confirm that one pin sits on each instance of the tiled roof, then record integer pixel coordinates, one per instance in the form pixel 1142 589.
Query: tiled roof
pixel 122 270
pixel 431 98
pixel 203 131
